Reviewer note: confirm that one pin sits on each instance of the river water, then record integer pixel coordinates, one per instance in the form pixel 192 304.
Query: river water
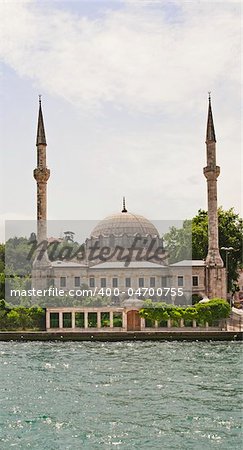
pixel 142 395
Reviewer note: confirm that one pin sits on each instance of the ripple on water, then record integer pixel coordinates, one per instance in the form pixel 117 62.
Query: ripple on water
pixel 170 395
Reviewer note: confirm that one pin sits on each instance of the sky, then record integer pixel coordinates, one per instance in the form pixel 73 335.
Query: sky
pixel 124 88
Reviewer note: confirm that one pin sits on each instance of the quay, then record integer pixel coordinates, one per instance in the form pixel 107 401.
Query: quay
pixel 117 336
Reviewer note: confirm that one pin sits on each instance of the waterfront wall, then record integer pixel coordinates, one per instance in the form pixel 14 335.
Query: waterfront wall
pixel 177 335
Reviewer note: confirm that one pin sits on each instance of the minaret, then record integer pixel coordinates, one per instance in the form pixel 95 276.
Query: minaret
pixel 215 273
pixel 41 174
pixel 212 172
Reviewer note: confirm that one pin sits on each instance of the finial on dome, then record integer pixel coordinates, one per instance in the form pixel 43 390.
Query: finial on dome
pixel 124 210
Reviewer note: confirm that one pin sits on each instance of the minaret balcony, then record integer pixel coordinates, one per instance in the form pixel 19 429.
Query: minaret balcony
pixel 211 172
pixel 41 174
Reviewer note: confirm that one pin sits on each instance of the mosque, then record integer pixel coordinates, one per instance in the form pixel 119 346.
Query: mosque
pixel 125 255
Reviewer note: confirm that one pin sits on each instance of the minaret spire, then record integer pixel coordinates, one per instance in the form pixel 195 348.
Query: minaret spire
pixel 124 210
pixel 41 137
pixel 210 133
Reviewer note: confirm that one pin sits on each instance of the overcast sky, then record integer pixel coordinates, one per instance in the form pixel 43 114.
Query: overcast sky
pixel 124 92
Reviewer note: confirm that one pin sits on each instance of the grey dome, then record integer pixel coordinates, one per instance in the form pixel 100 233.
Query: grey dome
pixel 124 223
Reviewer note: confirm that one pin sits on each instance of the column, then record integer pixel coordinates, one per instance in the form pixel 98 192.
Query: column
pixel 85 319
pixel 111 319
pixel 73 320
pixel 169 323
pixel 124 320
pixel 142 323
pixel 194 323
pixel 98 319
pixel 47 319
pixel 182 323
pixel 156 324
pixel 60 320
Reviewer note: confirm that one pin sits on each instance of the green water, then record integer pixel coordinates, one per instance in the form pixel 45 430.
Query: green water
pixel 175 395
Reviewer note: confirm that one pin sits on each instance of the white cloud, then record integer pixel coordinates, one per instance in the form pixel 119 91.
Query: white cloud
pixel 133 57
pixel 140 73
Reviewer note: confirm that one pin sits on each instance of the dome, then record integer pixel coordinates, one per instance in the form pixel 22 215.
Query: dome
pixel 124 223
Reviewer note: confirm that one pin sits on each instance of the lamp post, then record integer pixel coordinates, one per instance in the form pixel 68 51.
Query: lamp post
pixel 227 252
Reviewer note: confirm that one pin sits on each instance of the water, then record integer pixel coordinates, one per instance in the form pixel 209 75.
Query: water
pixel 142 395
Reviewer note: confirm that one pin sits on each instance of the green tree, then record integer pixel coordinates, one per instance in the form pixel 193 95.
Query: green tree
pixel 220 309
pixel 191 241
pixel 37 316
pixel 2 257
pixel 2 266
pixel 204 313
pixel 18 283
pixel 3 319
pixel 24 320
pixel 175 314
pixel 17 256
pixel 178 242
pixel 13 321
pixel 190 314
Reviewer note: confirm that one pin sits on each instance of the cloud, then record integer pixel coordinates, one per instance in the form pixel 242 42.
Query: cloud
pixel 137 58
pixel 140 72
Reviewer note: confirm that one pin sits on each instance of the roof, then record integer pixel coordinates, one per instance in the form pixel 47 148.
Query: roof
pixel 132 265
pixel 125 223
pixel 67 264
pixel 189 263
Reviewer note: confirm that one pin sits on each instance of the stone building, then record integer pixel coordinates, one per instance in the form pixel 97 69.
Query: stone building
pixel 143 272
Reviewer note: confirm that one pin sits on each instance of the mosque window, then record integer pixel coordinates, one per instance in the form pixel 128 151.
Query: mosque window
pixel 67 320
pixel 128 282
pixel 195 280
pixel 76 281
pixel 180 280
pixel 152 281
pixel 114 282
pixel 54 320
pixel 62 281
pixel 163 281
pixel 103 282
pixel 92 282
pixel 79 319
pixel 141 282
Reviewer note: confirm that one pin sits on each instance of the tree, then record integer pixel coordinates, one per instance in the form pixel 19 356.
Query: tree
pixel 12 320
pixel 3 319
pixel 190 314
pixel 37 316
pixel 178 242
pixel 220 309
pixel 191 241
pixel 17 259
pixel 175 314
pixel 2 277
pixel 24 320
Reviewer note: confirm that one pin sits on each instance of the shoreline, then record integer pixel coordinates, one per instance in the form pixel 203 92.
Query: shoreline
pixel 23 336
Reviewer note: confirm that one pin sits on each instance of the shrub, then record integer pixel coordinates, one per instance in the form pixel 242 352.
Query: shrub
pixel 37 316
pixel 204 313
pixel 220 309
pixel 13 320
pixel 3 319
pixel 190 313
